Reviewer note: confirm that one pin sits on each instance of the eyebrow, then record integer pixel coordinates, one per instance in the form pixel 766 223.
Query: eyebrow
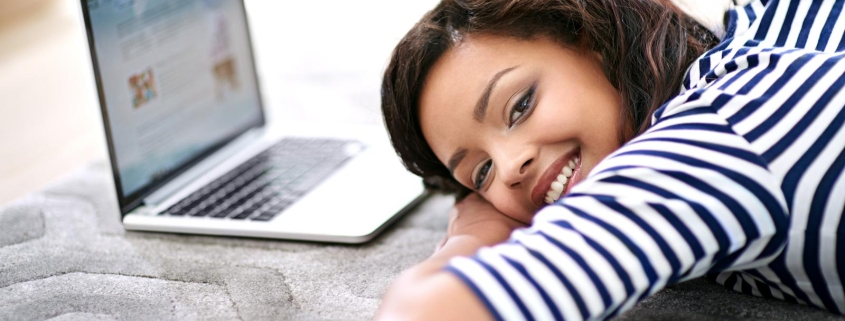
pixel 456 159
pixel 481 106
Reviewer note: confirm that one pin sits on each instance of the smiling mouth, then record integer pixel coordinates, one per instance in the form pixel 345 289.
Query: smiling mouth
pixel 561 183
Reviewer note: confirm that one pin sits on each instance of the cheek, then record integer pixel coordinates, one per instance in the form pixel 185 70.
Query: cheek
pixel 591 117
pixel 554 122
pixel 508 203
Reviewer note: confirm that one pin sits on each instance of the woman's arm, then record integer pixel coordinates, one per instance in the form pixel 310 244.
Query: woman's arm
pixel 687 198
pixel 426 292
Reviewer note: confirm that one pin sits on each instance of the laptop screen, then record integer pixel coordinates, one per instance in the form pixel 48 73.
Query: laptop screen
pixel 176 81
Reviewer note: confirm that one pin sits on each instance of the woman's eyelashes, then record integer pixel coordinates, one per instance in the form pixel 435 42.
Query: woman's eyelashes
pixel 480 176
pixel 522 107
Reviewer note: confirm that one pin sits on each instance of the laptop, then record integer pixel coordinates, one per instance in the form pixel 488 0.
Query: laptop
pixel 190 148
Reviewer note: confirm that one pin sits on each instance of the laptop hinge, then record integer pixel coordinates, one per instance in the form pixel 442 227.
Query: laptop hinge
pixel 203 167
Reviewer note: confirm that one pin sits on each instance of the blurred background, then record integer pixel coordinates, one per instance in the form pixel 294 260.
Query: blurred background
pixel 317 60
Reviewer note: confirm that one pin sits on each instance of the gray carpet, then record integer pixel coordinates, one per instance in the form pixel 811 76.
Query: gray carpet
pixel 65 256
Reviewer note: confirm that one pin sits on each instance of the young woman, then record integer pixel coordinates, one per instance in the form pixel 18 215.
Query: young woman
pixel 606 154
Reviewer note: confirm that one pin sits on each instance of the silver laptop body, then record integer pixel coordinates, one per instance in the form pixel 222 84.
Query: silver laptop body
pixel 185 124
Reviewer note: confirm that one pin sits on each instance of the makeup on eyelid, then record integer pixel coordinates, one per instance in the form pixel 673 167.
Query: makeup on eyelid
pixel 528 99
pixel 569 110
pixel 525 101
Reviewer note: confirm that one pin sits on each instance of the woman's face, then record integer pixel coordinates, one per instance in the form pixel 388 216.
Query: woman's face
pixel 519 121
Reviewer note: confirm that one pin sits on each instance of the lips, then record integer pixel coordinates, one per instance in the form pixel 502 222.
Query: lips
pixel 561 183
pixel 558 178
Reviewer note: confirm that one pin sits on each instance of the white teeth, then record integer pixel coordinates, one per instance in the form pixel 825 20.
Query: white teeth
pixel 557 187
pixel 563 182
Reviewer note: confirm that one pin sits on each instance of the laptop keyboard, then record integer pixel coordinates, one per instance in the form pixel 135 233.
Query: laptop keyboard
pixel 268 183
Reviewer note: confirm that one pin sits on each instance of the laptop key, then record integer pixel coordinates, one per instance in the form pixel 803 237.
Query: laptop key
pixel 242 215
pixel 218 210
pixel 263 218
pixel 277 208
pixel 200 213
pixel 180 212
pixel 221 214
pixel 262 187
pixel 267 214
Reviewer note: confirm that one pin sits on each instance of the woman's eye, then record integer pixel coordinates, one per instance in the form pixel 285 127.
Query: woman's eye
pixel 522 106
pixel 481 176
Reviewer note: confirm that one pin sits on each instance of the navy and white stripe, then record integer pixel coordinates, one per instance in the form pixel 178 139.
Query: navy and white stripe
pixel 739 178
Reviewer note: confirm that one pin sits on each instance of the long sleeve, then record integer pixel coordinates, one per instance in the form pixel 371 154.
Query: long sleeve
pixel 740 177
pixel 688 198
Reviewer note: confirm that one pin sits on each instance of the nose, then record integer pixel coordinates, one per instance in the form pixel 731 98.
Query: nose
pixel 515 167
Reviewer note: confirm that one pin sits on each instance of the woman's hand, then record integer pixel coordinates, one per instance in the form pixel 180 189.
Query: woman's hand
pixel 476 217
pixel 425 292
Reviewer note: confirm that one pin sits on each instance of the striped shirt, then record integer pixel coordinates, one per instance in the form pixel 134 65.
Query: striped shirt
pixel 739 178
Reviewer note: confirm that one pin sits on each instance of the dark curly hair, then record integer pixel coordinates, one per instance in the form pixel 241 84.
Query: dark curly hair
pixel 646 47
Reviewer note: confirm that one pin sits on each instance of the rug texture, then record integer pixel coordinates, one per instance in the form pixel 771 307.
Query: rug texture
pixel 65 256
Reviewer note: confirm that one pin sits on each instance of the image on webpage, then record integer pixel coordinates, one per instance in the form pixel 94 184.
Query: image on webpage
pixel 177 77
